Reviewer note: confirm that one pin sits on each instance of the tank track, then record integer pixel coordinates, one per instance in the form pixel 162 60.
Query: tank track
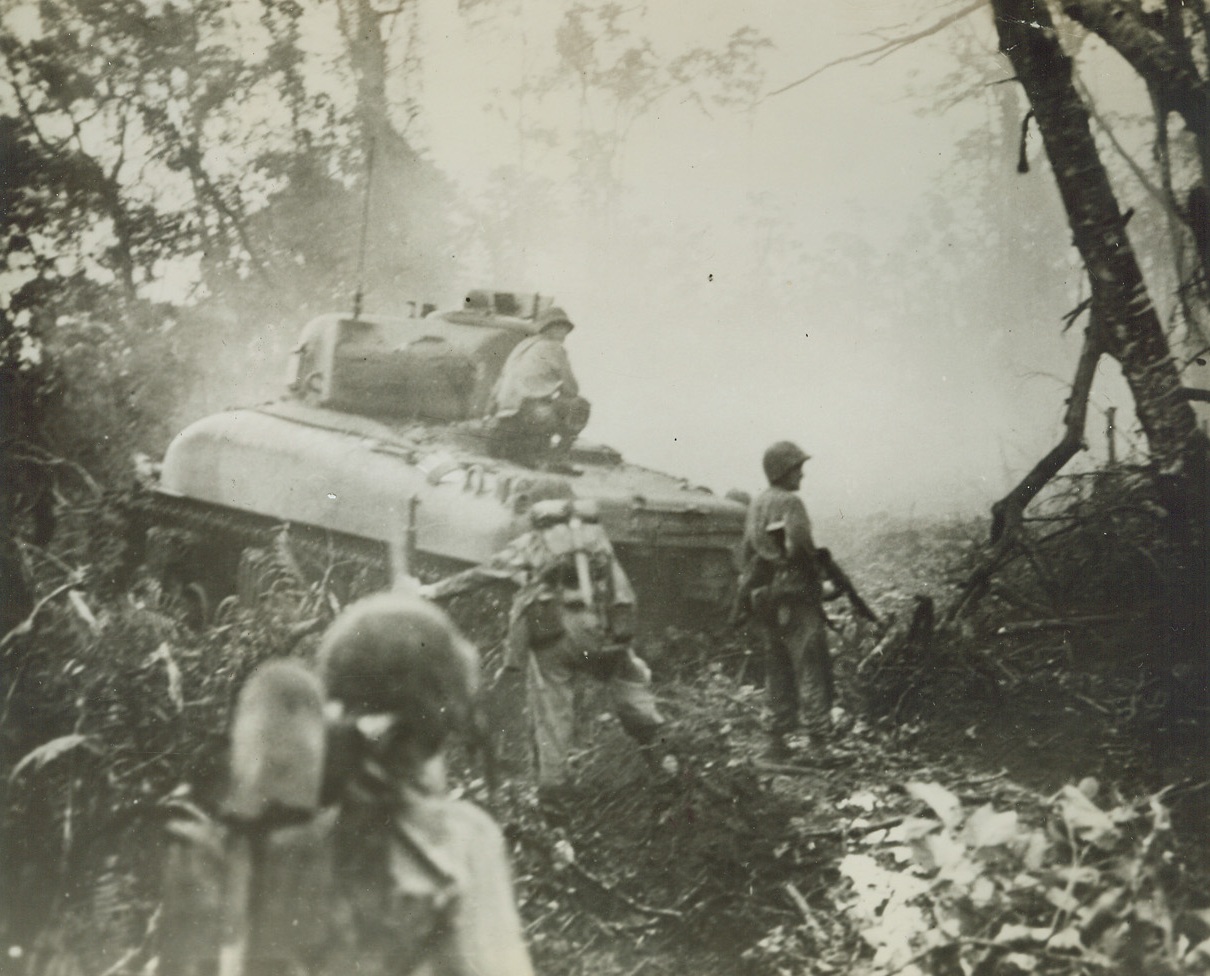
pixel 204 544
pixel 209 541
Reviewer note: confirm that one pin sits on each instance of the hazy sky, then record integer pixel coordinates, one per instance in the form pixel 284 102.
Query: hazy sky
pixel 813 269
pixel 898 412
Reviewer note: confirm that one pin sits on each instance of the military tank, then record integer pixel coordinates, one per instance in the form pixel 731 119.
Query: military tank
pixel 379 446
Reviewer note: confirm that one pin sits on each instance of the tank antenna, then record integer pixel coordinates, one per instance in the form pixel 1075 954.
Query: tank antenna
pixel 365 226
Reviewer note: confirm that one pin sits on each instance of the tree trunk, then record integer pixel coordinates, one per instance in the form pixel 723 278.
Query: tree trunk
pixel 1166 68
pixel 362 26
pixel 1130 331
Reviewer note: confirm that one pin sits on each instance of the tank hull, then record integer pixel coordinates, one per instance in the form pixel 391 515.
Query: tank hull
pixel 371 484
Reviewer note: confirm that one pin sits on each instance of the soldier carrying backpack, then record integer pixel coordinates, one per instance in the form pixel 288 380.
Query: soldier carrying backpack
pixel 338 850
pixel 782 586
pixel 572 613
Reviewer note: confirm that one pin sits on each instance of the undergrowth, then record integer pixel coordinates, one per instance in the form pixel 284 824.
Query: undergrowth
pixel 902 855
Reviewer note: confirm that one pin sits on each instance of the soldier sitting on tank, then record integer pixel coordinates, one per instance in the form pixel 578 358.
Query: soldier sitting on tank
pixel 573 613
pixel 537 398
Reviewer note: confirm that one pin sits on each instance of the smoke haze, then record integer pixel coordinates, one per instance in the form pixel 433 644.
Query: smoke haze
pixel 855 264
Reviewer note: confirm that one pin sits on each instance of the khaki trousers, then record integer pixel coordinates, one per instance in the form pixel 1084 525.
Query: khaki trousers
pixel 798 667
pixel 551 671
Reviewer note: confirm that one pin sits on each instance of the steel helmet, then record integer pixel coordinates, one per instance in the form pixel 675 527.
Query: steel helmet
pixel 400 655
pixel 782 458
pixel 554 316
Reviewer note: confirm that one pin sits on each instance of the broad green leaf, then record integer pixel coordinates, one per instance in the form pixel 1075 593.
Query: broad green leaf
pixel 987 828
pixel 1199 951
pixel 1010 933
pixel 911 829
pixel 983 891
pixel 1078 874
pixel 1084 817
pixel 83 611
pixel 1068 938
pixel 175 689
pixel 1035 851
pixel 942 802
pixel 1063 900
pixel 943 852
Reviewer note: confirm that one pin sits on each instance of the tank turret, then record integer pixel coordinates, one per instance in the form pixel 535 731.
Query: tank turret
pixel 381 435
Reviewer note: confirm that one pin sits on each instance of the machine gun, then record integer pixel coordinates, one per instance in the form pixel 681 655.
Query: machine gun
pixel 844 586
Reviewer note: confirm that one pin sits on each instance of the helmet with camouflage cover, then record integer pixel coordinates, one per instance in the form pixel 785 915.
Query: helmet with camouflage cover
pixel 397 655
pixel 550 511
pixel 782 458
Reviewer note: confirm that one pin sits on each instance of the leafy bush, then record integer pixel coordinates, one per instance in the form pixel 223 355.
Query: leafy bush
pixel 111 705
pixel 984 891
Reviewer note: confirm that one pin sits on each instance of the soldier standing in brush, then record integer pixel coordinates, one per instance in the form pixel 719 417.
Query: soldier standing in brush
pixel 573 613
pixel 782 584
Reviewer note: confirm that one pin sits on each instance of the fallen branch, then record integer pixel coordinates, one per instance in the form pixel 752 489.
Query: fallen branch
pixel 785 769
pixel 1091 703
pixel 840 833
pixel 1008 512
pixel 1060 623
pixel 624 898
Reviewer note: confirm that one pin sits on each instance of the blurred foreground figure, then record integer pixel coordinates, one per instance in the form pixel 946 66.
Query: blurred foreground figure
pixel 426 877
pixel 249 894
pixel 537 397
pixel 573 613
pixel 391 877
pixel 782 587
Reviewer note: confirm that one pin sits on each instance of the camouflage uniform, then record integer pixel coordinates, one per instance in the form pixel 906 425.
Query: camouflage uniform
pixel 787 604
pixel 555 633
pixel 424 881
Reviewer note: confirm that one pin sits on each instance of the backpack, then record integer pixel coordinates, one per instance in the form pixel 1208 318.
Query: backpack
pixel 246 902
pixel 323 898
pixel 314 867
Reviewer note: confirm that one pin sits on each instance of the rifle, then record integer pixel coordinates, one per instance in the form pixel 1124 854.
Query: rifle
pixel 840 579
pixel 401 548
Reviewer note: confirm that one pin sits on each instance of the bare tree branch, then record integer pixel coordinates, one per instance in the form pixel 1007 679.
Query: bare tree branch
pixel 1139 174
pixel 1159 63
pixel 1006 513
pixel 886 48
